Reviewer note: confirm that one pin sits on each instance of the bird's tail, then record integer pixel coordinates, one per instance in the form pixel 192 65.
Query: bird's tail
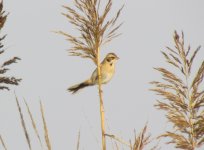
pixel 79 86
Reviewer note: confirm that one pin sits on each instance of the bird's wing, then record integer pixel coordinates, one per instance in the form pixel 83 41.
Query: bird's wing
pixel 94 76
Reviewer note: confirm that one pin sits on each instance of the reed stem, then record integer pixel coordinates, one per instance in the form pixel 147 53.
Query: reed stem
pixel 101 101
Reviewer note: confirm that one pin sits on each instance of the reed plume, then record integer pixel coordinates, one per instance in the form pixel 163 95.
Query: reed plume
pixel 183 96
pixel 5 81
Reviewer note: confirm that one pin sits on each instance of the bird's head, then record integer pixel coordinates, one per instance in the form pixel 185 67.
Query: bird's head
pixel 111 58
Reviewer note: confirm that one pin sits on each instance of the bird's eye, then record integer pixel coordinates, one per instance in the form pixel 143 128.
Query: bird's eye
pixel 108 59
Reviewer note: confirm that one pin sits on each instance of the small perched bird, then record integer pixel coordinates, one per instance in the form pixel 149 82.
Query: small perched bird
pixel 107 72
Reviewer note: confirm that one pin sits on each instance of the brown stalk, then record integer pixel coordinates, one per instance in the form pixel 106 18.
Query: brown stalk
pixel 33 123
pixel 3 143
pixel 101 102
pixel 23 124
pixel 46 134
pixel 119 140
pixel 78 140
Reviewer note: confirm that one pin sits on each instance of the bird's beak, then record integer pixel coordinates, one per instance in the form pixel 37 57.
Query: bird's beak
pixel 117 58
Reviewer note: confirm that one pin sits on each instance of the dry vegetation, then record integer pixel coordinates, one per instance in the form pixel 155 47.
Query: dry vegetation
pixel 95 30
pixel 5 81
pixel 183 97
pixel 26 130
pixel 140 141
pixel 34 127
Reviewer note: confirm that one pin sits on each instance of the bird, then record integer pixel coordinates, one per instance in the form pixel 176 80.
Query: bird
pixel 107 67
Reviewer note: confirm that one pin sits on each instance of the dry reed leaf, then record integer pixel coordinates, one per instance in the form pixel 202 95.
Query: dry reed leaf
pixel 118 139
pixel 46 134
pixel 78 140
pixel 140 141
pixel 3 143
pixel 23 124
pixel 33 123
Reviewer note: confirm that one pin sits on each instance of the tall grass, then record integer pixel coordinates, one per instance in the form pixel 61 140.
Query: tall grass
pixel 183 96
pixel 47 142
pixel 95 30
pixel 23 124
pixel 33 123
pixel 140 141
pixel 46 133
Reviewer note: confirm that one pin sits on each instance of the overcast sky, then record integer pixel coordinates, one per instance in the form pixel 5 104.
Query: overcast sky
pixel 47 70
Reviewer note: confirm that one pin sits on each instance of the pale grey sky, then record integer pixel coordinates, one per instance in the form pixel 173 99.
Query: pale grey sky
pixel 47 70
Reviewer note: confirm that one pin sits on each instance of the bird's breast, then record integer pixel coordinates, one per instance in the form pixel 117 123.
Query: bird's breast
pixel 107 74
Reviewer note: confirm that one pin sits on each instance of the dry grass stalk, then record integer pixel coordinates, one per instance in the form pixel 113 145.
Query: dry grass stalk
pixel 46 134
pixel 78 140
pixel 118 140
pixel 4 80
pixel 140 141
pixel 95 30
pixel 3 143
pixel 23 124
pixel 183 98
pixel 33 124
pixel 47 141
pixel 102 114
